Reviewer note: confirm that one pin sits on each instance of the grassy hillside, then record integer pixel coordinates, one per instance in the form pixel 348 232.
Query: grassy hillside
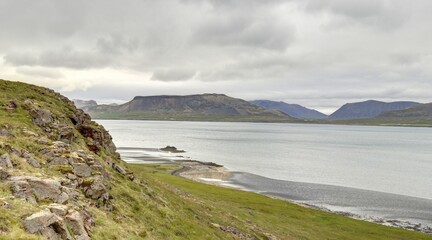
pixel 60 176
pixel 254 215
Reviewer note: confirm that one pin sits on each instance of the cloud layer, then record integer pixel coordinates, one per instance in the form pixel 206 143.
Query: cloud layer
pixel 319 53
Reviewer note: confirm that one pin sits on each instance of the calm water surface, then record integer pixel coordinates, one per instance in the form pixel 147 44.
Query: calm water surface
pixel 386 159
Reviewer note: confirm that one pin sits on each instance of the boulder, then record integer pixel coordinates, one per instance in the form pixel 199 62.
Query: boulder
pixel 82 170
pixel 48 224
pixel 5 161
pixel 41 117
pixel 40 220
pixel 35 189
pixel 96 188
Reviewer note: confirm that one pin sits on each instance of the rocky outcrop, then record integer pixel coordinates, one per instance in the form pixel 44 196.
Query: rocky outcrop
pixel 56 163
pixel 171 149
pixel 59 222
pixel 34 189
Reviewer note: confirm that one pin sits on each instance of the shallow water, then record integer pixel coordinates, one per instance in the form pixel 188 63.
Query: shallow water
pixel 393 160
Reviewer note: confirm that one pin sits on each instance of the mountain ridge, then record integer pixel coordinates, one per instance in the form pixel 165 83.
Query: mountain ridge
pixel 368 109
pixel 293 110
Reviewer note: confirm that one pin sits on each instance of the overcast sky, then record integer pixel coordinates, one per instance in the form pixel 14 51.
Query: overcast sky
pixel 318 53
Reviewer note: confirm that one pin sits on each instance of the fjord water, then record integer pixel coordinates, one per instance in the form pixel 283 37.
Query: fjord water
pixel 330 165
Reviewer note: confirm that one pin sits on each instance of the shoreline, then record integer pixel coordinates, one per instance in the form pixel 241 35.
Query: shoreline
pixel 214 174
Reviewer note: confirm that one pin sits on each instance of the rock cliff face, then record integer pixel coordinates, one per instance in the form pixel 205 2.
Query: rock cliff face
pixel 56 160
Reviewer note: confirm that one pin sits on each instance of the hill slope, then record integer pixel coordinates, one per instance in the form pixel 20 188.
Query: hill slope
pixel 415 115
pixel 191 107
pixel 367 109
pixel 293 110
pixel 61 178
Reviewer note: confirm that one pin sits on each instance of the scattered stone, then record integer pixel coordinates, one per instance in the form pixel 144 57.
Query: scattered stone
pixel 5 161
pixel 95 188
pixel 59 161
pixel 76 222
pixel 66 133
pixel 171 149
pixel 10 106
pixel 44 140
pixel 30 160
pixel 5 133
pixel 3 174
pixel 233 231
pixel 120 169
pixel 3 203
pixel 29 133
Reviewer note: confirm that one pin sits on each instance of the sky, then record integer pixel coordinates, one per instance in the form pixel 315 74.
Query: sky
pixel 317 53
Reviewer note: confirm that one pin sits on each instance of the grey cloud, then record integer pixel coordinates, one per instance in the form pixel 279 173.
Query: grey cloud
pixel 116 44
pixel 373 13
pixel 169 75
pixel 279 49
pixel 245 31
pixel 65 57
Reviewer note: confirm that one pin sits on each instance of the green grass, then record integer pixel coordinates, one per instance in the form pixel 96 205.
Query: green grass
pixel 199 205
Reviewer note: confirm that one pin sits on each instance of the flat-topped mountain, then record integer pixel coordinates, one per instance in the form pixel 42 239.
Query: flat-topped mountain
pixel 293 110
pixel 190 107
pixel 368 109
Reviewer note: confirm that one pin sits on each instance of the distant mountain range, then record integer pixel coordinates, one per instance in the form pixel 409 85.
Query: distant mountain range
pixel 368 109
pixel 208 107
pixel 219 107
pixel 293 110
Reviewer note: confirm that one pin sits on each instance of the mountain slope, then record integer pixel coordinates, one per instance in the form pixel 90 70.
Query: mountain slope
pixel 367 109
pixel 293 110
pixel 191 107
pixel 415 115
